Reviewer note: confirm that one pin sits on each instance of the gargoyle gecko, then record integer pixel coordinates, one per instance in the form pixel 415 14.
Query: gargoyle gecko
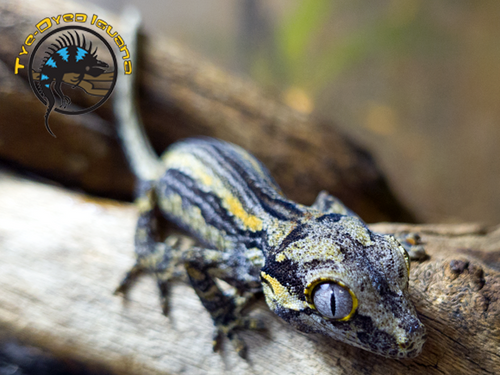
pixel 320 268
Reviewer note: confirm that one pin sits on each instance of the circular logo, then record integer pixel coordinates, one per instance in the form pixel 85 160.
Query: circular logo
pixel 72 64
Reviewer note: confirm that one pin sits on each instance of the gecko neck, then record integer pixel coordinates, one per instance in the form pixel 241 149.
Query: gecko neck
pixel 286 223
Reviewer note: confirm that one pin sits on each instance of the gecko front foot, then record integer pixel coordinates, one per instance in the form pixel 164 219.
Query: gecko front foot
pixel 413 245
pixel 230 330
pixel 65 102
pixel 161 263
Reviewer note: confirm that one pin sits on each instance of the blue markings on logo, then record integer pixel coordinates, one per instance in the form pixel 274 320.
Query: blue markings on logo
pixel 80 54
pixel 47 85
pixel 63 52
pixel 44 77
pixel 51 63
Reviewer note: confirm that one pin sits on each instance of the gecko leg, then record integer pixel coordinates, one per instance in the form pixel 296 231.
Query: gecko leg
pixel 65 100
pixel 153 257
pixel 203 266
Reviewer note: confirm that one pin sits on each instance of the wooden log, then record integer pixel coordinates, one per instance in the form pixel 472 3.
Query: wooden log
pixel 62 254
pixel 181 95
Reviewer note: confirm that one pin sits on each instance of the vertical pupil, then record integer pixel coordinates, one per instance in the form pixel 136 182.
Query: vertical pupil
pixel 332 302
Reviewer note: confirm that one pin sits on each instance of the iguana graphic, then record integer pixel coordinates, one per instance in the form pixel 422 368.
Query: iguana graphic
pixel 69 55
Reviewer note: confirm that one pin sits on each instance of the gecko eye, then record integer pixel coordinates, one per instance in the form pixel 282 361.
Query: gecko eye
pixel 331 299
pixel 87 68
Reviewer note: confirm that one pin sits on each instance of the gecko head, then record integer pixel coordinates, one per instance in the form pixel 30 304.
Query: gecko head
pixel 332 275
pixel 96 67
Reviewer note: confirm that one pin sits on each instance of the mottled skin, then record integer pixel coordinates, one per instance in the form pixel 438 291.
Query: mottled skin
pixel 255 239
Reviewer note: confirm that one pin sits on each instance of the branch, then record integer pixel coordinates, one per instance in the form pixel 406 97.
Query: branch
pixel 63 254
pixel 181 95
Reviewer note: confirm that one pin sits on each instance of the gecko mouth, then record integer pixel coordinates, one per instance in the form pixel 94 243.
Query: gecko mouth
pixel 391 345
pixel 101 65
pixel 97 69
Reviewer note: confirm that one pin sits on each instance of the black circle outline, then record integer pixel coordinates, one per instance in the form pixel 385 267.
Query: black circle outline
pixel 100 102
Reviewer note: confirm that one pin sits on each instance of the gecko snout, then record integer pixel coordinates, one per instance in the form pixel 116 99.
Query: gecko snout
pixel 410 345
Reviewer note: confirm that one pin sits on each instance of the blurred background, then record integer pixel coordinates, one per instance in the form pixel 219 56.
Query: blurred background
pixel 415 81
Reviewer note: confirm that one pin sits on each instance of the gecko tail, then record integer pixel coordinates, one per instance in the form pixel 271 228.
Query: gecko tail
pixel 49 95
pixel 142 158
pixel 47 126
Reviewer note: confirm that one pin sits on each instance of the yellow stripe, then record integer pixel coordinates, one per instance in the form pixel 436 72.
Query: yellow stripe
pixel 282 295
pixel 187 162
pixel 251 222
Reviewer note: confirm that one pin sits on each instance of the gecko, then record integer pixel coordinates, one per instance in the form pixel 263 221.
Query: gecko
pixel 320 268
pixel 70 55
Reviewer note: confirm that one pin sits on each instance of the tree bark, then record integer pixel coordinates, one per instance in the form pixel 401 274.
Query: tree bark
pixel 62 254
pixel 181 95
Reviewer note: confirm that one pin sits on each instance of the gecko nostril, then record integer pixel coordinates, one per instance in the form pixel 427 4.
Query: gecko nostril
pixel 414 325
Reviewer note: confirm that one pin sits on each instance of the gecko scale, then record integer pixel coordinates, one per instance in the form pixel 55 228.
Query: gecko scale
pixel 320 268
